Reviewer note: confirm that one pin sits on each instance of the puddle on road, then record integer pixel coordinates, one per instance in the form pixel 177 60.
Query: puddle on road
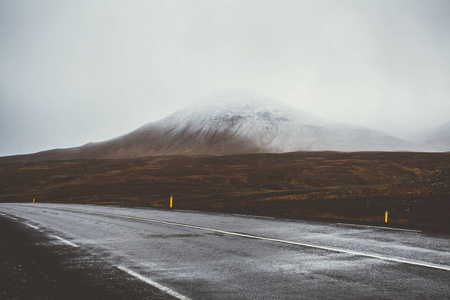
pixel 167 236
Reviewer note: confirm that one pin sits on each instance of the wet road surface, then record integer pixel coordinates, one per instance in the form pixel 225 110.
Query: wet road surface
pixel 191 255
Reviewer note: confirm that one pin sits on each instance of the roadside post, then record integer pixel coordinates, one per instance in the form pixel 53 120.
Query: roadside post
pixel 171 199
pixel 34 199
pixel 385 216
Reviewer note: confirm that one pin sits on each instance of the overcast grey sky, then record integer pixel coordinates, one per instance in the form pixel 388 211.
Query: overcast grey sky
pixel 73 72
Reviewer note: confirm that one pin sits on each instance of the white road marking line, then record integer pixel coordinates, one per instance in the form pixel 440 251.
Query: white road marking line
pixel 65 241
pixel 2 214
pixel 262 217
pixel 242 216
pixel 404 261
pixel 154 284
pixel 256 217
pixel 13 218
pixel 32 226
pixel 379 227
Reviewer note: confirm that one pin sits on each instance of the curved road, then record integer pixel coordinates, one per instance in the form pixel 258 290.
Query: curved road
pixel 191 255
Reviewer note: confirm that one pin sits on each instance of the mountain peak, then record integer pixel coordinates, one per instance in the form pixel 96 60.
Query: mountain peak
pixel 235 122
pixel 243 105
pixel 235 100
pixel 265 124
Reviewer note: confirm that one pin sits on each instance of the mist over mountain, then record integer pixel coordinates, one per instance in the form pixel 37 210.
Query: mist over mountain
pixel 438 139
pixel 235 123
pixel 247 123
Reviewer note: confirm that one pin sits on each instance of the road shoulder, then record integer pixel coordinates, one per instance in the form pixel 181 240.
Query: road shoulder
pixel 33 266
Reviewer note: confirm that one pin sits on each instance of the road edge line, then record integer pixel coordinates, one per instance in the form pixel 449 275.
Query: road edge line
pixel 32 226
pixel 153 283
pixel 65 241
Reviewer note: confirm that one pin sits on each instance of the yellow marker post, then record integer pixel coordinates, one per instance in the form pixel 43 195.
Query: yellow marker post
pixel 385 216
pixel 171 199
pixel 34 200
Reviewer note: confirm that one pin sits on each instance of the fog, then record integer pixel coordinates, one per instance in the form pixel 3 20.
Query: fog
pixel 73 72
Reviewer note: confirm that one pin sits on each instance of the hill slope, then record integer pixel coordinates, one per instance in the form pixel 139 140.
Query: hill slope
pixel 439 138
pixel 230 123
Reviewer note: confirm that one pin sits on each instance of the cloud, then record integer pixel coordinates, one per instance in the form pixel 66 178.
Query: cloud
pixel 81 71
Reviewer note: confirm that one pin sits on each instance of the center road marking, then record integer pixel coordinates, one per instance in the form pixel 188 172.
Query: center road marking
pixel 379 227
pixel 404 261
pixel 155 284
pixel 65 241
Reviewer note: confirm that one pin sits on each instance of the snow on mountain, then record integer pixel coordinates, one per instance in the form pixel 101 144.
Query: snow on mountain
pixel 235 123
pixel 261 124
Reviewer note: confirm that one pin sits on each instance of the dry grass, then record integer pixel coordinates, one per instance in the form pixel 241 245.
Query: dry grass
pixel 352 186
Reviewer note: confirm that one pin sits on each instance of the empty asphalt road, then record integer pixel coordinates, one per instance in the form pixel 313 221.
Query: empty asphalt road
pixel 191 255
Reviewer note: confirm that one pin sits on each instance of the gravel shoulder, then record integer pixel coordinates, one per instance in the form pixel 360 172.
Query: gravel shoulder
pixel 33 266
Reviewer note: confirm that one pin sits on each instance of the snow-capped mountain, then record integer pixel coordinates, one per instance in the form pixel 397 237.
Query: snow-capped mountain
pixel 235 123
pixel 230 123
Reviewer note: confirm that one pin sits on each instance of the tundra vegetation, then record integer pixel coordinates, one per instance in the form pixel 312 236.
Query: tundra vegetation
pixel 358 186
